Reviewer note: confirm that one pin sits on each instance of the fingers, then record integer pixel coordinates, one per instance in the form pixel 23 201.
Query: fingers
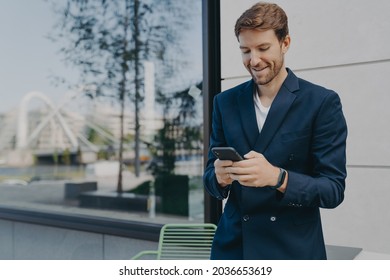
pixel 224 179
pixel 247 180
pixel 223 176
pixel 222 163
pixel 221 168
pixel 248 172
pixel 253 154
pixel 242 167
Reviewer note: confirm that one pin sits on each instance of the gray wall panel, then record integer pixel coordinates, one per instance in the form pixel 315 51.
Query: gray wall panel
pixel 42 242
pixel 323 33
pixel 121 248
pixel 6 240
pixel 362 220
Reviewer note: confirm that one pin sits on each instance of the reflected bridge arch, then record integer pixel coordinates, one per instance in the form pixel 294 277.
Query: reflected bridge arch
pixel 23 140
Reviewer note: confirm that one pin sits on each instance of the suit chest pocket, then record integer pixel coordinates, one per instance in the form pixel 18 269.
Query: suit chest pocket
pixel 292 149
pixel 300 136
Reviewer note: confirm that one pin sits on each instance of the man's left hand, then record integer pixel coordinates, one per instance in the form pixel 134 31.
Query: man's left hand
pixel 254 171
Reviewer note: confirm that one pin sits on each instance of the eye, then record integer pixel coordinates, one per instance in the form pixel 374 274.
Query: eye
pixel 264 49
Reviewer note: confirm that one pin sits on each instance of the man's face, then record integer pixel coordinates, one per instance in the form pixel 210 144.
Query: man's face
pixel 262 54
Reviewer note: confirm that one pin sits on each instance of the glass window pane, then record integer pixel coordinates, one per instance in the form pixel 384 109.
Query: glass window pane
pixel 102 108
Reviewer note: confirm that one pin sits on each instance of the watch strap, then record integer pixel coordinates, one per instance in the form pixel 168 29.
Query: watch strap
pixel 281 178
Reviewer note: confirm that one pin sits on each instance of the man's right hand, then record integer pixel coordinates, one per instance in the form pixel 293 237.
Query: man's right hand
pixel 223 177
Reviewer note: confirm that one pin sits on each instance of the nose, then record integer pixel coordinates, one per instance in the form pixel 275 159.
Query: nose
pixel 255 58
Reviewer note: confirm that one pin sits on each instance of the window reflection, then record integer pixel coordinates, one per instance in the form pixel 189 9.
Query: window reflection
pixel 60 141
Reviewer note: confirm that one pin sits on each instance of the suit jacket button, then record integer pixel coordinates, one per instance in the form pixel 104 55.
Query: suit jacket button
pixel 245 218
pixel 273 218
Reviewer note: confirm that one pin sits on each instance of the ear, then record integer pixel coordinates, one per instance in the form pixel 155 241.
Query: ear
pixel 286 43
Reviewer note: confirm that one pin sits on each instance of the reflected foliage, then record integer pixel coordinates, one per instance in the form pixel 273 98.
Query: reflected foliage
pixel 108 41
pixel 181 131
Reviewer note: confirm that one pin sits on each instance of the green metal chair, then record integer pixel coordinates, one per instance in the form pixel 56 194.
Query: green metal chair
pixel 183 242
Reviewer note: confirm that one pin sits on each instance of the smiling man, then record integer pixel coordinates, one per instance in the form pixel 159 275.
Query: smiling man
pixel 292 136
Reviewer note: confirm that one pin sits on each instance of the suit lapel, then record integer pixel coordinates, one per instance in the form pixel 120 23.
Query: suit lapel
pixel 248 114
pixel 278 111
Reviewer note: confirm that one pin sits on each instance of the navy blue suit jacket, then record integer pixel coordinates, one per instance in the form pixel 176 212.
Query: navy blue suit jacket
pixel 305 133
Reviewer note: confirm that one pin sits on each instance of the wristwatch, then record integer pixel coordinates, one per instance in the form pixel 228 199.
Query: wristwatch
pixel 281 178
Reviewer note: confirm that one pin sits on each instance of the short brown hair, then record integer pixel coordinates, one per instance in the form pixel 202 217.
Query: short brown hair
pixel 264 16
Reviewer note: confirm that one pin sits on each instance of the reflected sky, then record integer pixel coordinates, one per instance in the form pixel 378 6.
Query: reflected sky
pixel 28 58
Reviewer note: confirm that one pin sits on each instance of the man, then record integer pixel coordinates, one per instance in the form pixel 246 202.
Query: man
pixel 292 135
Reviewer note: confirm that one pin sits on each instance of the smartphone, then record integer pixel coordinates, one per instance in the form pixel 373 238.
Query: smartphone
pixel 226 153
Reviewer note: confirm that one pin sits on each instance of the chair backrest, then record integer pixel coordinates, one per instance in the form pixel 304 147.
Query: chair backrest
pixel 186 241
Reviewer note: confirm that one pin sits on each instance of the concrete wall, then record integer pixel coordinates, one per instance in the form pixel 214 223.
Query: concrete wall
pixel 23 241
pixel 341 45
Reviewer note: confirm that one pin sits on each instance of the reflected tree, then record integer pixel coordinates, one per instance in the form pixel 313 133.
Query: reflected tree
pixel 181 131
pixel 109 41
